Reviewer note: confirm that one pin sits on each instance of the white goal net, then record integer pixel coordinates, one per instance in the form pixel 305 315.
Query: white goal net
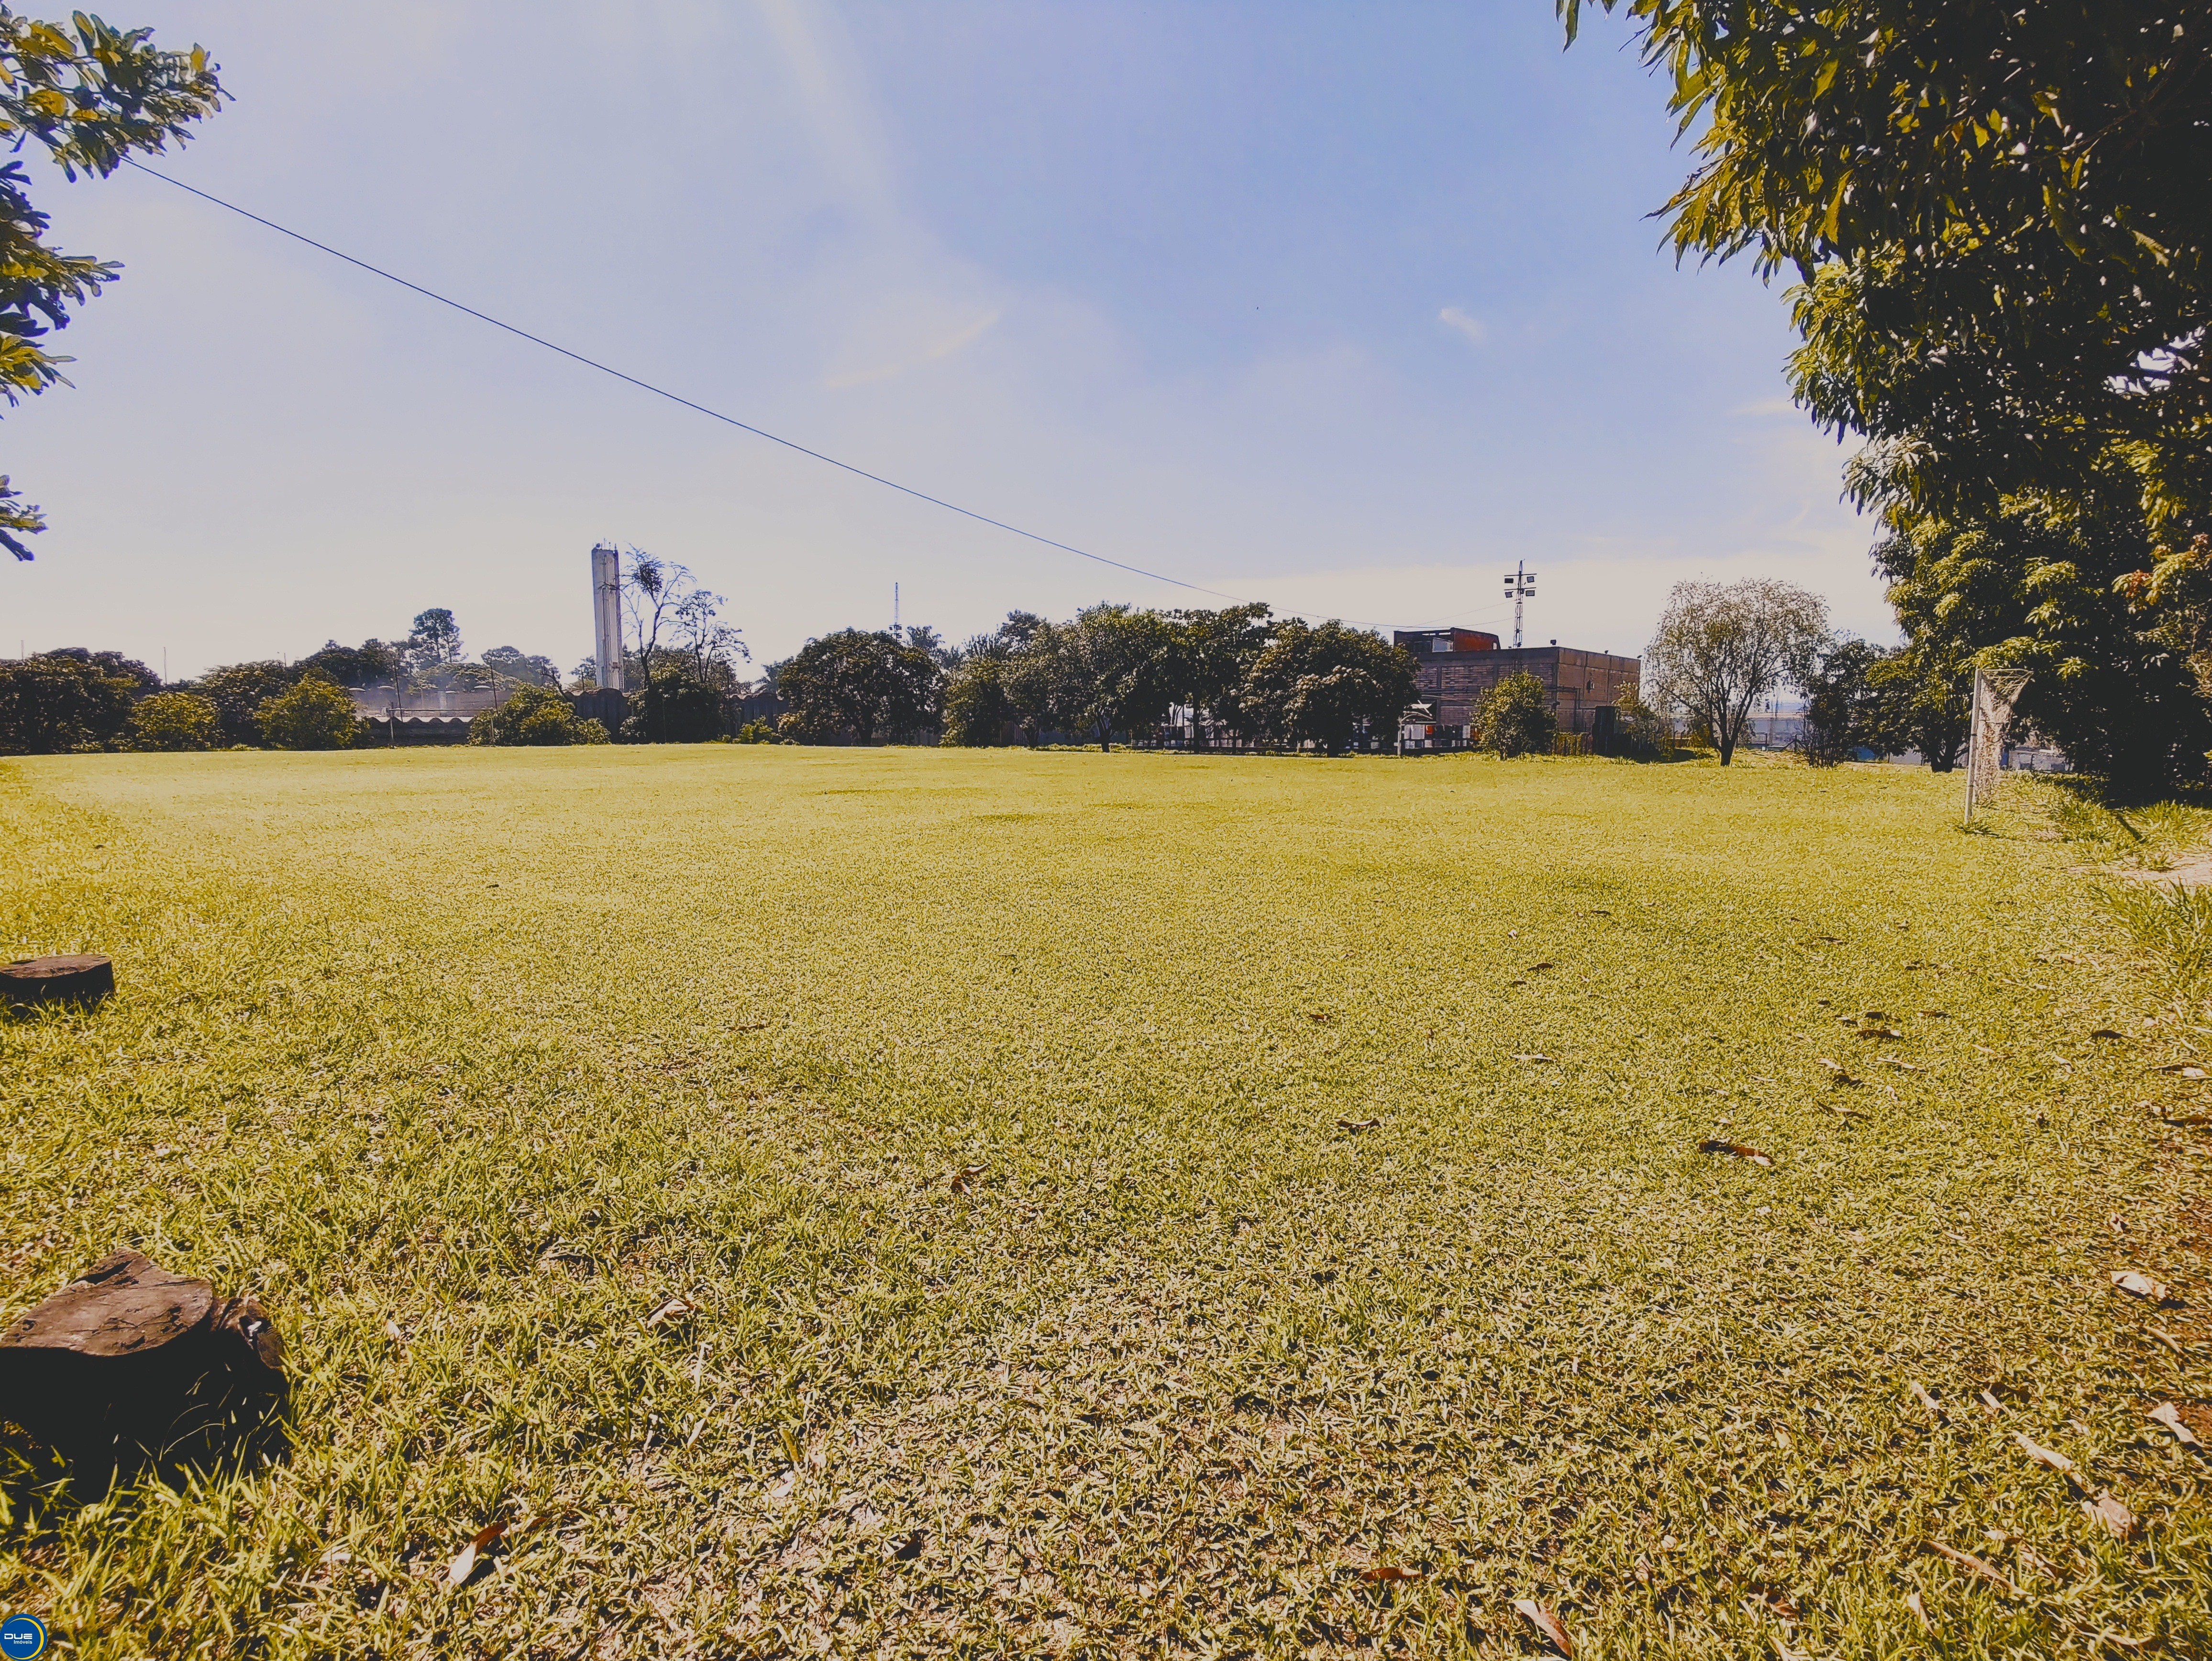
pixel 1996 691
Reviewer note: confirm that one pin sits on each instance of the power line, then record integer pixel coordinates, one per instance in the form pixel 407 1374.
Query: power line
pixel 677 398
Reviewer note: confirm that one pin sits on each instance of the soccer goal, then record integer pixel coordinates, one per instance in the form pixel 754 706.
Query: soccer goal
pixel 1996 691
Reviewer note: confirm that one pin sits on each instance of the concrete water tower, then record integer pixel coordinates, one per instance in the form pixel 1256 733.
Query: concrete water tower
pixel 606 616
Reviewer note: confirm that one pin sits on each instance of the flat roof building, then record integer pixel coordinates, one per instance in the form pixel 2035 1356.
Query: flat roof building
pixel 1456 667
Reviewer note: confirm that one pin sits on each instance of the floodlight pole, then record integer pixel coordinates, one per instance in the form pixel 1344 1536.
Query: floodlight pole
pixel 1521 585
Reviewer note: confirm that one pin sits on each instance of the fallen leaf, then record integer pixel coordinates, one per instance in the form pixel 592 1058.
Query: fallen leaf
pixel 2117 1519
pixel 2106 1032
pixel 1985 1049
pixel 1991 1402
pixel 391 1331
pixel 1355 1126
pixel 1913 1601
pixel 2136 1283
pixel 2044 1456
pixel 1902 1067
pixel 466 1564
pixel 676 1309
pixel 1937 1014
pixel 1319 1015
pixel 1921 1396
pixel 1532 1055
pixel 1600 914
pixel 2182 1070
pixel 1966 1560
pixel 908 1548
pixel 1875 1015
pixel 1545 1623
pixel 1880 1032
pixel 1383 1571
pixel 1714 1145
pixel 2170 1416
pixel 967 1174
pixel 2167 1339
pixel 1535 967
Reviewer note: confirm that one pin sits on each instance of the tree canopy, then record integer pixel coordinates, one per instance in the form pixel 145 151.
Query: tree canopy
pixel 2000 216
pixel 91 95
pixel 1720 649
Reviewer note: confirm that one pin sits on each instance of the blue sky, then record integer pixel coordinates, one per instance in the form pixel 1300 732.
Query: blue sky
pixel 1343 308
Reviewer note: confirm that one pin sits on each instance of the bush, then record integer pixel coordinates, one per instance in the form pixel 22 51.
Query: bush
pixel 674 707
pixel 532 715
pixel 1514 717
pixel 593 730
pixel 758 732
pixel 175 721
pixel 312 715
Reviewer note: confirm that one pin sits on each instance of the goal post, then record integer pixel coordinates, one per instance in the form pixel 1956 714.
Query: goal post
pixel 1996 692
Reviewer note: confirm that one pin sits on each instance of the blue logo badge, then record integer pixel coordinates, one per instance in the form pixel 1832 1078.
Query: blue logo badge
pixel 22 1637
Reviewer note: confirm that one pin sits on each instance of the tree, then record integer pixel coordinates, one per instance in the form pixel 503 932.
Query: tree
pixel 510 664
pixel 978 707
pixel 1116 672
pixel 534 715
pixel 1720 649
pixel 174 720
pixel 1924 690
pixel 856 687
pixel 1515 718
pixel 1214 655
pixel 91 95
pixel 370 662
pixel 55 702
pixel 434 643
pixel 1326 686
pixel 2028 589
pixel 311 714
pixel 239 690
pixel 2000 217
pixel 1845 708
pixel 675 706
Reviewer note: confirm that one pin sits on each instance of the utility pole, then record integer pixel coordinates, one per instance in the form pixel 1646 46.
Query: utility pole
pixel 1521 585
pixel 895 622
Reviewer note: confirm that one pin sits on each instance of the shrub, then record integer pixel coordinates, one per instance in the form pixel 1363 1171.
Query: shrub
pixel 532 715
pixel 593 730
pixel 57 703
pixel 758 732
pixel 1514 717
pixel 175 721
pixel 312 715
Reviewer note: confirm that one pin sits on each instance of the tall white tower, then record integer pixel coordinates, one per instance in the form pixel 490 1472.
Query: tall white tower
pixel 606 616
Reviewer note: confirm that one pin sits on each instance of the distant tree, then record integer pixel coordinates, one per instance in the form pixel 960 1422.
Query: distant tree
pixel 857 687
pixel 1327 684
pixel 90 94
pixel 113 665
pixel 313 714
pixel 1641 730
pixel 1214 655
pixel 1846 710
pixel 434 643
pixel 1514 717
pixel 56 703
pixel 675 706
pixel 1115 673
pixel 1720 649
pixel 510 664
pixel 369 663
pixel 239 690
pixel 923 638
pixel 174 720
pixel 978 707
pixel 532 714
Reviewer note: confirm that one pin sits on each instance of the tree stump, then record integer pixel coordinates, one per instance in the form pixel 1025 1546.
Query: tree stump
pixel 84 978
pixel 129 1363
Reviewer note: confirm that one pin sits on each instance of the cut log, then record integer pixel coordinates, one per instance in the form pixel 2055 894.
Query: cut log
pixel 129 1362
pixel 84 977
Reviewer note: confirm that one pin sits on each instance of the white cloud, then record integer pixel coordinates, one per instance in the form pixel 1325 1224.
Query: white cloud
pixel 950 346
pixel 1472 327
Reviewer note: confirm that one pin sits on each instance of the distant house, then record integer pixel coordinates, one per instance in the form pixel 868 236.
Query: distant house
pixel 1456 666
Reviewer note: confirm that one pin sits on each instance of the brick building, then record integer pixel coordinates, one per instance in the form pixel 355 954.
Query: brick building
pixel 1457 665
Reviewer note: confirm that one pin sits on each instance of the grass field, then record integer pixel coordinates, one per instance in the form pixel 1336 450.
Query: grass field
pixel 1133 1205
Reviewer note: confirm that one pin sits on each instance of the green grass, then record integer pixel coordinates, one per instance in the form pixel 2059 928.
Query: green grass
pixel 987 1105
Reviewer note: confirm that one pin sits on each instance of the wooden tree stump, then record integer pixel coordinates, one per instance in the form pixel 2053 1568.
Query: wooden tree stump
pixel 84 978
pixel 129 1362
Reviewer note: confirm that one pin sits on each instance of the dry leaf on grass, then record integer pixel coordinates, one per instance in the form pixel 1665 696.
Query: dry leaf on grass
pixel 1319 1015
pixel 1921 1396
pixel 2181 1070
pixel 480 1547
pixel 1536 968
pixel 1355 1126
pixel 1714 1145
pixel 2140 1285
pixel 1991 1402
pixel 2170 1416
pixel 1532 1055
pixel 2105 1032
pixel 2116 1517
pixel 1384 1572
pixel 967 1174
pixel 391 1331
pixel 676 1309
pixel 1545 1623
pixel 1966 1560
pixel 1936 1014
pixel 2167 1339
pixel 1902 1067
pixel 2044 1456
pixel 1913 1601
pixel 1879 1033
